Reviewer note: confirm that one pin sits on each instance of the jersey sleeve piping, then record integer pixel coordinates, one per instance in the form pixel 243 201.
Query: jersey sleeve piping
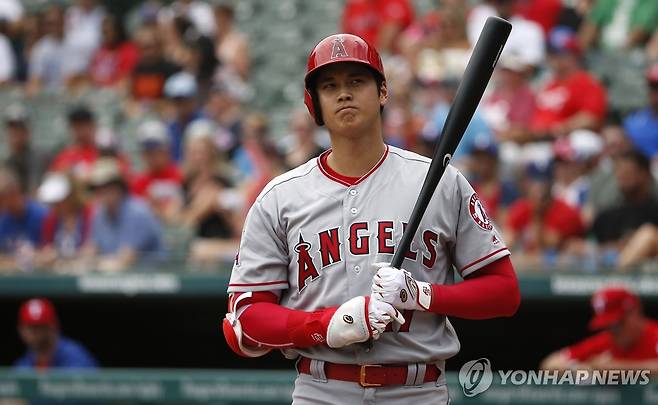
pixel 483 261
pixel 265 286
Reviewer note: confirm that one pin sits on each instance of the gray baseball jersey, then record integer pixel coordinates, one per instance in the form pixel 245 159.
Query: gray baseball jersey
pixel 314 237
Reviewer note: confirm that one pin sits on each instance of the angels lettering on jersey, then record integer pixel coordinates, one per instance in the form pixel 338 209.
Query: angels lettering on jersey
pixel 314 252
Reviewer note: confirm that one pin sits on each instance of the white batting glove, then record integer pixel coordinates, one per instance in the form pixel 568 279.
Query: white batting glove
pixel 360 319
pixel 398 288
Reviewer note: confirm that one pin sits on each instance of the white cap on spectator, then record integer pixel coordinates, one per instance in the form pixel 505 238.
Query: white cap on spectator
pixel 586 144
pixel 202 128
pixel 512 61
pixel 180 85
pixel 152 134
pixel 105 171
pixel 55 188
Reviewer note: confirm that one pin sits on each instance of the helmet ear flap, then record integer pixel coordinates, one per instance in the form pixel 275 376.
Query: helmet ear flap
pixel 313 106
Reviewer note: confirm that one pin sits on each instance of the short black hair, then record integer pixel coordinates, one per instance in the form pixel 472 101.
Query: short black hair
pixel 80 113
pixel 638 158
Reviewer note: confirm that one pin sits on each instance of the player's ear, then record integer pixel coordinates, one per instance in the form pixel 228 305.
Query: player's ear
pixel 383 94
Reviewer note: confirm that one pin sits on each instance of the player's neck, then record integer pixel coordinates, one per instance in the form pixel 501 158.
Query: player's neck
pixel 355 157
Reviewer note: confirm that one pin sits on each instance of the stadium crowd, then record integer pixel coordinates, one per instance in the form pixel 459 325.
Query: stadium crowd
pixel 563 156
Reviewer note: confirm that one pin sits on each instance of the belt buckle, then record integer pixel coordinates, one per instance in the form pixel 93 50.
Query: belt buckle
pixel 362 376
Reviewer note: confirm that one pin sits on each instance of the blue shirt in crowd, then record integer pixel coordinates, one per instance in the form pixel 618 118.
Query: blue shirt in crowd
pixel 642 130
pixel 26 228
pixel 134 226
pixel 68 354
pixel 177 135
pixel 477 130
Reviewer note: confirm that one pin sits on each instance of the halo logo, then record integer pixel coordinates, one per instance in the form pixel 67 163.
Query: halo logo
pixel 475 377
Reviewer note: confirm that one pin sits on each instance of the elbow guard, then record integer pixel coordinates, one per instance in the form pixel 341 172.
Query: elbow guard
pixel 233 335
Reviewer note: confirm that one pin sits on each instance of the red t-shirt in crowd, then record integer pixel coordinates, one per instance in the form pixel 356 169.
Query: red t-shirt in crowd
pixel 559 217
pixel 560 100
pixel 365 17
pixel 162 185
pixel 110 65
pixel 517 107
pixel 543 12
pixel 645 348
pixel 79 160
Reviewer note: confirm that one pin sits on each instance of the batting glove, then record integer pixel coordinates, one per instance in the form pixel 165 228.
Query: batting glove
pixel 398 288
pixel 360 319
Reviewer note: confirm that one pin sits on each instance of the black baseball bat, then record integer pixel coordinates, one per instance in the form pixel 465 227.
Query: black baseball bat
pixel 476 76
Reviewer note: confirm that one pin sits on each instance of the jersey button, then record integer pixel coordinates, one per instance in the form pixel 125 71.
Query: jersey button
pixel 354 211
pixel 357 269
pixel 353 192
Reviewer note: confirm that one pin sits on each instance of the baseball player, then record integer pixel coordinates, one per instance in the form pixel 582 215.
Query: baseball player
pixel 311 277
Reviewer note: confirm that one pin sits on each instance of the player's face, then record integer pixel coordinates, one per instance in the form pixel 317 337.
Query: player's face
pixel 349 98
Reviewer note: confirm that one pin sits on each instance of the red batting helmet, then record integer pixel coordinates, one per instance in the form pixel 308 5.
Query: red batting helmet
pixel 333 49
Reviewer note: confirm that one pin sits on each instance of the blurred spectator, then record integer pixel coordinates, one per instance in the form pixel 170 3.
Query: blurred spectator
pixel 476 131
pixel 402 123
pixel 198 12
pixel 26 160
pixel 301 144
pixel 51 57
pixel 642 126
pixel 576 156
pixel 617 24
pixel 224 107
pixel 160 184
pixel 7 60
pixel 538 224
pixel 124 231
pixel 257 160
pixel 21 221
pixel 153 69
pixel 526 39
pixel 24 35
pixel 496 193
pixel 604 191
pixel 82 153
pixel 67 226
pixel 625 340
pixel 509 107
pixel 47 348
pixel 612 227
pixel 181 89
pixel 379 22
pixel 203 62
pixel 572 98
pixel 82 32
pixel 114 61
pixel 438 47
pixel 212 206
pixel 232 45
pixel 174 35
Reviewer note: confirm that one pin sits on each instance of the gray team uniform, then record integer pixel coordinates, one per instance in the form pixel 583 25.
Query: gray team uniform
pixel 315 238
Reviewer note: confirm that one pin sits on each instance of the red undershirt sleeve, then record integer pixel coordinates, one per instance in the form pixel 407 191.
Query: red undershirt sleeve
pixel 270 325
pixel 490 292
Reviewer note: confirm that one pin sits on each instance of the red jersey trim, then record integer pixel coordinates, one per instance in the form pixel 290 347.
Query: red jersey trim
pixel 257 284
pixel 482 259
pixel 345 180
